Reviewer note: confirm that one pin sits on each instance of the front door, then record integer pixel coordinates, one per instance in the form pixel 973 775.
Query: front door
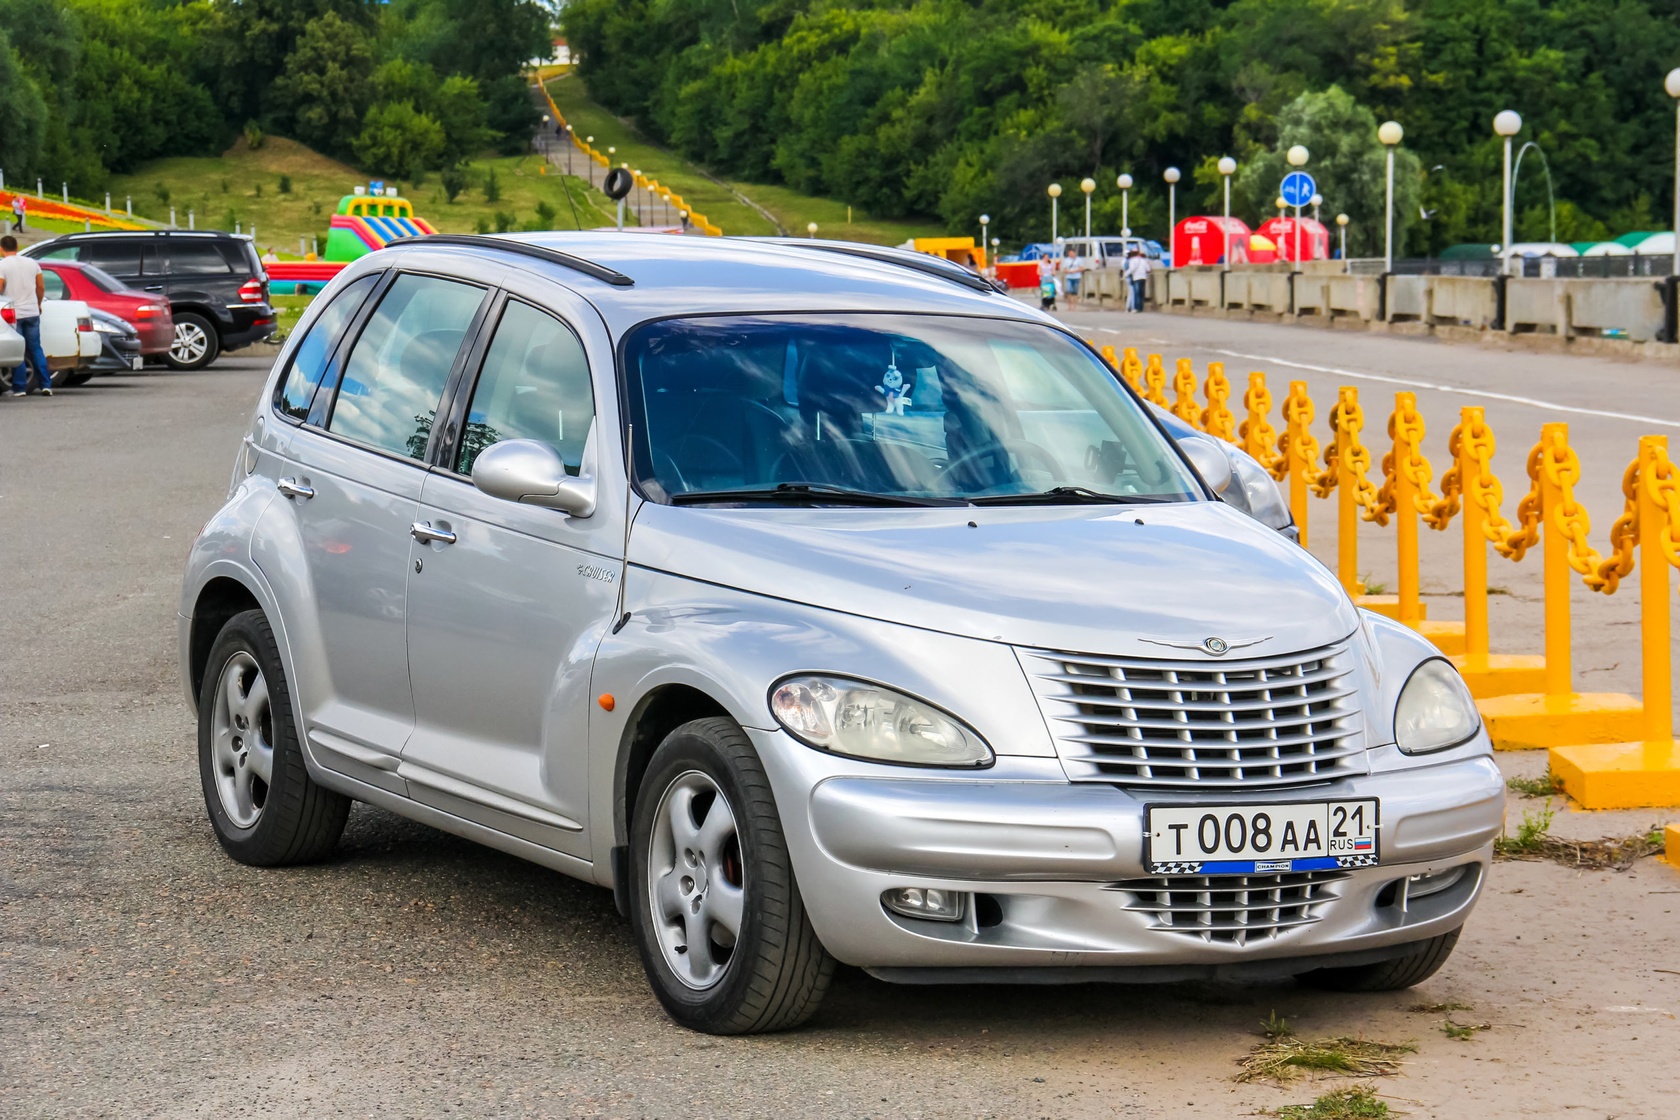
pixel 507 602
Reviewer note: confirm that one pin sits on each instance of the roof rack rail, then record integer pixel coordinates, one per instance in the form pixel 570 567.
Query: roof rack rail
pixel 920 262
pixel 522 248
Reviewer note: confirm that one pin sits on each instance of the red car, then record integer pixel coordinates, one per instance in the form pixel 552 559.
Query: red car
pixel 146 312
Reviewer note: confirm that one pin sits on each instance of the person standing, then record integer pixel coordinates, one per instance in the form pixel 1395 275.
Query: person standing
pixel 22 284
pixel 18 211
pixel 1047 282
pixel 1137 272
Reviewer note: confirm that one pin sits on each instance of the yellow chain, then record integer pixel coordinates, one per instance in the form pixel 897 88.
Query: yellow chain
pixel 1624 535
pixel 1527 533
pixel 1406 426
pixel 1561 467
pixel 1446 507
pixel 1664 490
pixel 1259 438
pixel 1130 368
pixel 1110 357
pixel 1297 449
pixel 1347 419
pixel 1217 420
pixel 1155 382
pixel 1483 487
pixel 1184 393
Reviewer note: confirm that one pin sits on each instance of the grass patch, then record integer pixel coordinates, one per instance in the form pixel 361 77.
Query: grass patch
pixel 1546 785
pixel 243 185
pixel 1284 1058
pixel 1530 839
pixel 1438 1008
pixel 288 310
pixel 1462 1032
pixel 1373 587
pixel 1358 1103
pixel 1274 1027
pixel 835 219
pixel 1533 841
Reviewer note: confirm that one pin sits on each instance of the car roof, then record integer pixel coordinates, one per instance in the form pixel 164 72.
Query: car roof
pixel 693 275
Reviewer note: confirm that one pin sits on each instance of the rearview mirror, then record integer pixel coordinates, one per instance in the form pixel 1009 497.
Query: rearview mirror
pixel 530 472
pixel 1210 461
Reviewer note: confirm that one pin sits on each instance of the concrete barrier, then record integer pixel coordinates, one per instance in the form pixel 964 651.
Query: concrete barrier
pixel 1353 297
pixel 1631 308
pixel 1460 301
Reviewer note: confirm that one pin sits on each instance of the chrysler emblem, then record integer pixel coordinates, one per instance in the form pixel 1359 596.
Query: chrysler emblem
pixel 1215 647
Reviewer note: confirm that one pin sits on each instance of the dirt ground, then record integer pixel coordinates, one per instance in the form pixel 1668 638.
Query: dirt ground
pixel 414 974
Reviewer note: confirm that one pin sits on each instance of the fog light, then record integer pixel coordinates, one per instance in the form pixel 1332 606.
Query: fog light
pixel 929 903
pixel 1434 882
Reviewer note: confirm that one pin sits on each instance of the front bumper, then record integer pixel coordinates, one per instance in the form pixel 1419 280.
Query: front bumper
pixel 1045 864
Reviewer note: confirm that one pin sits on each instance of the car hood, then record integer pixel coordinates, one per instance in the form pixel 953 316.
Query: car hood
pixel 1094 579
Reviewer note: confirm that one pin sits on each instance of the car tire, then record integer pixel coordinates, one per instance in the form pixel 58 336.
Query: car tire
pixel 72 380
pixel 246 726
pixel 692 866
pixel 1387 976
pixel 196 343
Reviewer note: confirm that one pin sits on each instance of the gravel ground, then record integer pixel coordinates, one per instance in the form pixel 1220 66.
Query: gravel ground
pixel 144 974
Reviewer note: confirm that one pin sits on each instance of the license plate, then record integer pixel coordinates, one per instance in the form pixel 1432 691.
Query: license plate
pixel 1257 839
pixel 138 362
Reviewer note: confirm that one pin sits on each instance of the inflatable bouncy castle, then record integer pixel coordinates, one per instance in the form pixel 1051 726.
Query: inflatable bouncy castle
pixel 367 219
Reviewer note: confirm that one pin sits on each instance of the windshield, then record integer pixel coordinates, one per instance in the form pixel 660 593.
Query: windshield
pixel 916 407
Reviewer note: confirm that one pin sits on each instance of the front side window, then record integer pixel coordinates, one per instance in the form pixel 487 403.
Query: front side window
pixel 309 360
pixel 118 256
pixel 913 408
pixel 395 375
pixel 535 385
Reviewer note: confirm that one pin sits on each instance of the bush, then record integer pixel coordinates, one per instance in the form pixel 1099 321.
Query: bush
pixel 482 225
pixel 398 142
pixel 492 189
pixel 285 184
pixel 454 181
pixel 504 222
pixel 254 137
pixel 161 189
pixel 257 190
pixel 545 215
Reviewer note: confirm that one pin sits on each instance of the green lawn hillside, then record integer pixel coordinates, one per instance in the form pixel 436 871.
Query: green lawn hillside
pixel 723 203
pixel 244 186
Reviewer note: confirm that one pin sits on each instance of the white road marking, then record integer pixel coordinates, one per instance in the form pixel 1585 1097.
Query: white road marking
pixel 1412 383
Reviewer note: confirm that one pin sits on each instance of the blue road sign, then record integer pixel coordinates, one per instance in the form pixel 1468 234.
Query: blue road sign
pixel 1298 188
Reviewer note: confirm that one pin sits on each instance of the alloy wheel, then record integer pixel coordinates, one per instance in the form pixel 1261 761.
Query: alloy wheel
pixel 190 343
pixel 243 746
pixel 696 880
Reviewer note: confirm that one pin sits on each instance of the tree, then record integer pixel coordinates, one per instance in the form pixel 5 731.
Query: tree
pixel 1348 163
pixel 399 142
pixel 460 111
pixel 24 111
pixel 326 83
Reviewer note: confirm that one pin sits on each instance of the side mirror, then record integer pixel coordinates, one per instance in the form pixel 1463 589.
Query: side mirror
pixel 1210 461
pixel 530 471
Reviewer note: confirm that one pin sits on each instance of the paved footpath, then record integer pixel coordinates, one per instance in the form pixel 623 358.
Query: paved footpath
pixel 142 973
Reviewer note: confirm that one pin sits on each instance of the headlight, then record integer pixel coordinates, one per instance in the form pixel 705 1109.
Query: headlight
pixel 862 720
pixel 107 328
pixel 1435 710
pixel 1254 492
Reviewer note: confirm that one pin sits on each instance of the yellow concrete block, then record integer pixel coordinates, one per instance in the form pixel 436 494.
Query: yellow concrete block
pixel 1502 674
pixel 1621 775
pixel 1671 844
pixel 1448 636
pixel 1387 605
pixel 1530 721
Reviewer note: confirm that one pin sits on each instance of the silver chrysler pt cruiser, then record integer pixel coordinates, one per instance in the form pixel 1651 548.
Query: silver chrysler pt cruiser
pixel 826 605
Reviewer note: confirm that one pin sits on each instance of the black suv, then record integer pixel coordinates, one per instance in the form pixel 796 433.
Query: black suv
pixel 215 284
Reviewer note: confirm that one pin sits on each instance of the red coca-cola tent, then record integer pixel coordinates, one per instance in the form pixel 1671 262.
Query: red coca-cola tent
pixel 1202 239
pixel 1315 239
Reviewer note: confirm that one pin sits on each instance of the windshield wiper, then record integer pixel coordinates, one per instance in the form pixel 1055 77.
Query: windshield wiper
pixel 807 492
pixel 1069 496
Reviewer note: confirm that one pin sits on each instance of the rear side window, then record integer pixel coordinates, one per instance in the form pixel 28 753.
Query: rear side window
pixel 535 385
pixel 196 258
pixel 52 284
pixel 394 378
pixel 101 279
pixel 309 361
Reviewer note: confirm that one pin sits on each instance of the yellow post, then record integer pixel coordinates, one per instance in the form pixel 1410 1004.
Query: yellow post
pixel 1347 492
pixel 1475 538
pixel 1299 451
pixel 1653 594
pixel 1555 572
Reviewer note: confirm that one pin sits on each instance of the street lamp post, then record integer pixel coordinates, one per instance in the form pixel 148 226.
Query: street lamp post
pixel 1171 176
pixel 1227 167
pixel 1672 85
pixel 1391 134
pixel 1341 231
pixel 1055 192
pixel 811 228
pixel 1297 157
pixel 1317 201
pixel 546 120
pixel 1124 182
pixel 985 220
pixel 1087 185
pixel 590 140
pixel 1507 124
pixel 994 257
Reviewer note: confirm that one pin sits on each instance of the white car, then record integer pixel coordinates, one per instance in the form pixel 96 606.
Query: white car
pixel 67 335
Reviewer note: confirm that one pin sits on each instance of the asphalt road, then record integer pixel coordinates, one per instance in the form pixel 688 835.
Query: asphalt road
pixel 142 973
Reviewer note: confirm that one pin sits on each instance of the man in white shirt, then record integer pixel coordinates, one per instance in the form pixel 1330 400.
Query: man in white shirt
pixel 22 285
pixel 1137 274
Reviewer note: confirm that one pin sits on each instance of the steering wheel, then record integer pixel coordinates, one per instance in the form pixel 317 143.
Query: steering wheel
pixel 723 460
pixel 1001 450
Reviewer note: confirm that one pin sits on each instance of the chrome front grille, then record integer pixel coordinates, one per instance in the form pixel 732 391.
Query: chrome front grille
pixel 1259 722
pixel 1235 909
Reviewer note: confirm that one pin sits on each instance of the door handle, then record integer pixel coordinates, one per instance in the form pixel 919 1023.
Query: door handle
pixel 292 489
pixel 423 532
pixel 154 287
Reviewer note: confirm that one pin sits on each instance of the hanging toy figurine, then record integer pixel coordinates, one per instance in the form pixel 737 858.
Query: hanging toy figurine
pixel 892 387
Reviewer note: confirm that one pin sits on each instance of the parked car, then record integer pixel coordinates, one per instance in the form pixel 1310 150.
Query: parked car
pixel 1111 252
pixel 120 347
pixel 146 312
pixel 214 282
pixel 68 337
pixel 827 605
pixel 11 351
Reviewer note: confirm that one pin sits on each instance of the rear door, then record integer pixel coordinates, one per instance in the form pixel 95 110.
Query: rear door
pixel 351 473
pixel 125 258
pixel 504 617
pixel 199 272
